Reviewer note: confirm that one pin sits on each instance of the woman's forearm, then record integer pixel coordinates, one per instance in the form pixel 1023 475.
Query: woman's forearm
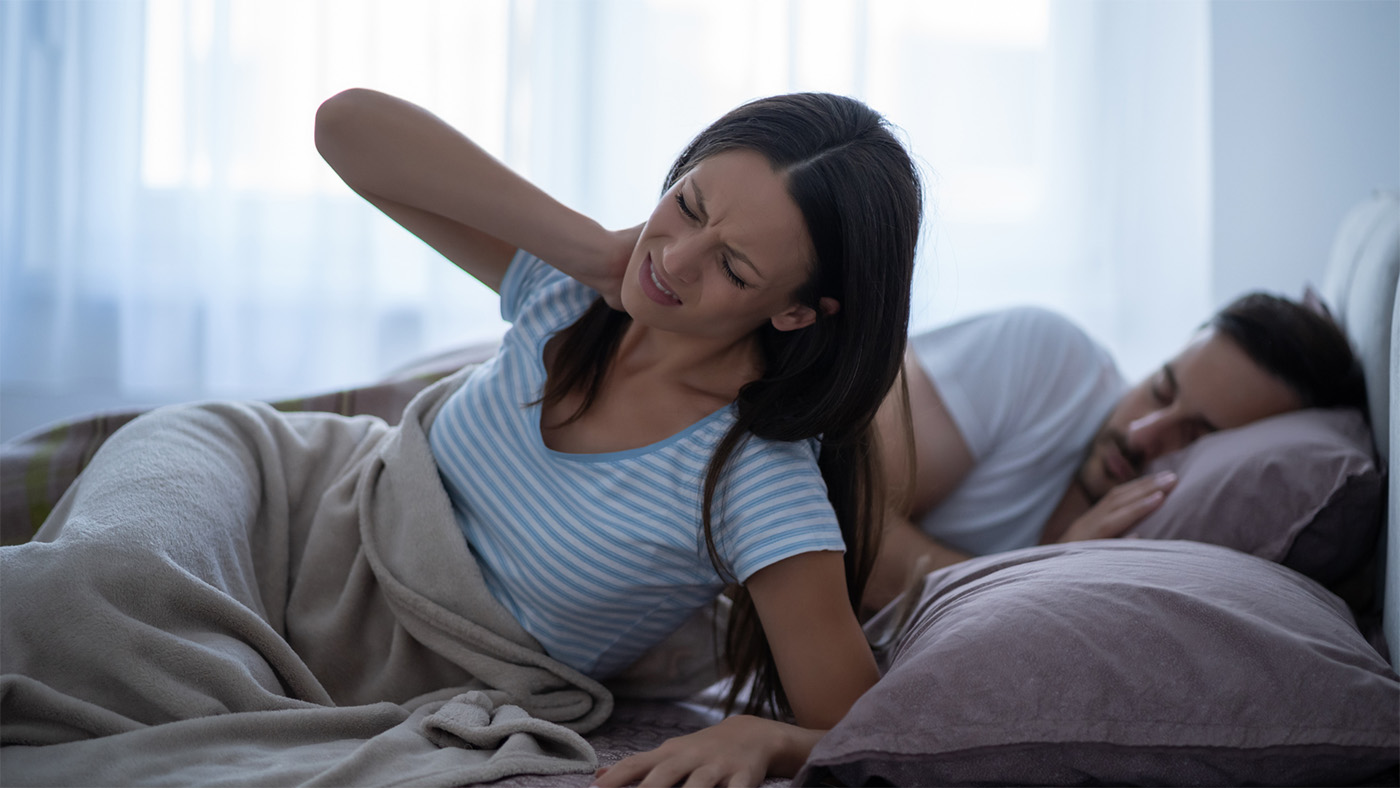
pixel 396 153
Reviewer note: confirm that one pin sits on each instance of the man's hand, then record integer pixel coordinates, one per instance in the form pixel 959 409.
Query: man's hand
pixel 1123 507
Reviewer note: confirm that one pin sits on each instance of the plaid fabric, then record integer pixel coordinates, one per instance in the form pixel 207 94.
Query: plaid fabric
pixel 37 468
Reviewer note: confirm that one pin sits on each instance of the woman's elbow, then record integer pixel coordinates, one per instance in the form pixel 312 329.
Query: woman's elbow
pixel 335 116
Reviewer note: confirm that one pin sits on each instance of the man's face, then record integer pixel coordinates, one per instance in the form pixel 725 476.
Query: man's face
pixel 1211 385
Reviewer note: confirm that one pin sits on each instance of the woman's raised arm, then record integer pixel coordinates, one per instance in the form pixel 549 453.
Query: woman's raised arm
pixel 448 191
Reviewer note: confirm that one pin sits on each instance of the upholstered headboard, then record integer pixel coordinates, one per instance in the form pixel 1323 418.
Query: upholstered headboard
pixel 1360 286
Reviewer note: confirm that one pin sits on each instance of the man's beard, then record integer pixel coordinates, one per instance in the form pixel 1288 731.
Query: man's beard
pixel 1130 455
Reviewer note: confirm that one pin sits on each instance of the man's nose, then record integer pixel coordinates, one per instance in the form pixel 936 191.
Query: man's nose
pixel 1154 434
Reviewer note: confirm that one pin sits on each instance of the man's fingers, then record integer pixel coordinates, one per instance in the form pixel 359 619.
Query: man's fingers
pixel 1131 492
pixel 1125 517
pixel 1161 480
pixel 1123 507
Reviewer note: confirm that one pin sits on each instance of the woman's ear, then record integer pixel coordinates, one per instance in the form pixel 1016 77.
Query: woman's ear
pixel 800 316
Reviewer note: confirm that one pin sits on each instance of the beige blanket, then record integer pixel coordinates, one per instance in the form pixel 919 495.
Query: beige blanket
pixel 232 595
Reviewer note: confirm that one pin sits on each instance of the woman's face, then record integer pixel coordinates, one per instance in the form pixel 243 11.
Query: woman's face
pixel 723 253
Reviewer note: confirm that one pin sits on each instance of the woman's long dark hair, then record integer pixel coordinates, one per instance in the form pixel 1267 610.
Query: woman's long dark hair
pixel 859 194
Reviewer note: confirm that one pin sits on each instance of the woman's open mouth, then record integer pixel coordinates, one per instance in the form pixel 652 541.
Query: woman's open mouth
pixel 652 285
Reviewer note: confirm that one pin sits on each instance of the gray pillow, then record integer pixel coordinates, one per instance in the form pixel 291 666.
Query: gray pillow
pixel 1120 662
pixel 1304 479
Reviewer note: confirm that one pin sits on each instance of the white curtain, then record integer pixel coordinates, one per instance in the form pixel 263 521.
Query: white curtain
pixel 169 231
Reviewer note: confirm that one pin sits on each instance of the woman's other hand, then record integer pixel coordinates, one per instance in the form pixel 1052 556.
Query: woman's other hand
pixel 824 663
pixel 738 751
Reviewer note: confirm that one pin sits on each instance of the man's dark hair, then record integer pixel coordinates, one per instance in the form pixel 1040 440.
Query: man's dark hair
pixel 1302 347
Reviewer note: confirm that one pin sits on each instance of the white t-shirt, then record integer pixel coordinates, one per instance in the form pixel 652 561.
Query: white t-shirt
pixel 1028 390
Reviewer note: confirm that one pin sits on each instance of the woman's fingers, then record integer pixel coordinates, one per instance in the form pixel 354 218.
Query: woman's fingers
pixel 706 776
pixel 736 753
pixel 665 775
pixel 626 771
pixel 608 281
pixel 661 767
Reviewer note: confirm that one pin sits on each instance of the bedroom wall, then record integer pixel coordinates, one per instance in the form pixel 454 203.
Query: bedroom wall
pixel 1305 121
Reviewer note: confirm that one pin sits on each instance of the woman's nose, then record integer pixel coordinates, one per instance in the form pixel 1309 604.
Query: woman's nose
pixel 682 259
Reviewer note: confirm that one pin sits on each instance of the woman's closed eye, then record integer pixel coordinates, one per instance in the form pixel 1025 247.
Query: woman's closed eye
pixel 685 209
pixel 723 259
pixel 729 272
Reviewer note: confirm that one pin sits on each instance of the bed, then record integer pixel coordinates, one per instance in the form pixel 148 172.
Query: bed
pixel 1246 634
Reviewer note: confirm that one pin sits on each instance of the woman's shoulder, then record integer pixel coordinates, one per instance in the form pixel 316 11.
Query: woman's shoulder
pixel 769 456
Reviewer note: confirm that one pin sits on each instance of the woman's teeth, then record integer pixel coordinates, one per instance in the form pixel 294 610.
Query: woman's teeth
pixel 658 284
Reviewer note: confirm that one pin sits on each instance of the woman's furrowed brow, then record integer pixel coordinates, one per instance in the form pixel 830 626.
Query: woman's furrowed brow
pixel 704 214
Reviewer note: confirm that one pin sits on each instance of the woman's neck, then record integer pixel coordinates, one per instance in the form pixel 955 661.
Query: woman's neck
pixel 656 385
pixel 715 367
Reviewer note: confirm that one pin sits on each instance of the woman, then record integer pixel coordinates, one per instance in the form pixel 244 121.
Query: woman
pixel 714 373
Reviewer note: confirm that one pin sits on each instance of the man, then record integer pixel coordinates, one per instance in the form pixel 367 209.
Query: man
pixel 1023 431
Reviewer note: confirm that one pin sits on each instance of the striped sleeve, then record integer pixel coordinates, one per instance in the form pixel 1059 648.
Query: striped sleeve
pixel 775 506
pixel 540 298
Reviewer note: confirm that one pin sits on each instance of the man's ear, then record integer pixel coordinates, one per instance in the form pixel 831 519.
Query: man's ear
pixel 800 316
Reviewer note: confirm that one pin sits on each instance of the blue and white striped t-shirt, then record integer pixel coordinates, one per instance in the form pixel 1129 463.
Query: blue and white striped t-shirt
pixel 600 556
